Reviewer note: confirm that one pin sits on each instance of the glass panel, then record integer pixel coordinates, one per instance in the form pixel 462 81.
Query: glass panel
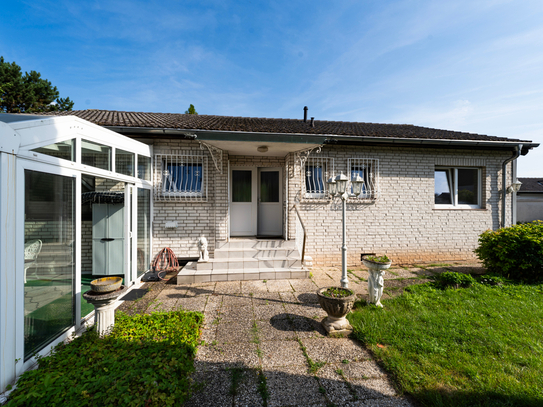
pixel 269 186
pixel 314 182
pixel 95 154
pixel 443 187
pixel 361 171
pixel 241 186
pixel 124 162
pixel 468 181
pixel 185 178
pixel 144 167
pixel 63 149
pixel 144 229
pixel 49 258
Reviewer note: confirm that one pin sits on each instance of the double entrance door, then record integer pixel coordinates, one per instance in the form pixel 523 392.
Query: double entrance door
pixel 256 202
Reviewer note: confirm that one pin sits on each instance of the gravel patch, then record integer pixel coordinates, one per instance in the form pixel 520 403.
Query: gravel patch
pixel 335 350
pixel 242 355
pixel 292 386
pixel 282 353
pixel 276 330
pixel 267 312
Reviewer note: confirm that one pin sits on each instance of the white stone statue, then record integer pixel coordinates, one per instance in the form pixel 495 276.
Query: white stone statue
pixel 202 248
pixel 376 283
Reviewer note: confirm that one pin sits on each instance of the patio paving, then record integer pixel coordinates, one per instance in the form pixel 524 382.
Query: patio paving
pixel 261 336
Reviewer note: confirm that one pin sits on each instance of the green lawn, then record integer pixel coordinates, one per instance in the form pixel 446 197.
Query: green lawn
pixel 145 361
pixel 476 346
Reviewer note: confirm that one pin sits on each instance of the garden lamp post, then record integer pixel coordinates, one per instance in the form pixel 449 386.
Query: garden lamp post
pixel 338 186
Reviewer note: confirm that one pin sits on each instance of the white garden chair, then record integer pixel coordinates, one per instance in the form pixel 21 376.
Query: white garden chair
pixel 32 249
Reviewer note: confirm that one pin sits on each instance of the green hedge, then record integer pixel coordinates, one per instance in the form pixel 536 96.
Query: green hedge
pixel 515 252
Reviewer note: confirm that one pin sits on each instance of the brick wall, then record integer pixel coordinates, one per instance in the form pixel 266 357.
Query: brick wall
pixel 402 223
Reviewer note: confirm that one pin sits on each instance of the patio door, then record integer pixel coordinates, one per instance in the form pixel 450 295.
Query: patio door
pixel 270 203
pixel 256 202
pixel 243 200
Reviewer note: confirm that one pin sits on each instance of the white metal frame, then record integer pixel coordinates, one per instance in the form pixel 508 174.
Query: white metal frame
pixel 188 158
pixel 327 164
pixel 370 167
pixel 454 188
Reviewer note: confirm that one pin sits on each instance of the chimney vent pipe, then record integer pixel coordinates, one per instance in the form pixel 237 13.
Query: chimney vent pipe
pixel 312 122
pixel 305 114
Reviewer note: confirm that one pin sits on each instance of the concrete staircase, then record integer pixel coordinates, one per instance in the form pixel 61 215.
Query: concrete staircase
pixel 247 259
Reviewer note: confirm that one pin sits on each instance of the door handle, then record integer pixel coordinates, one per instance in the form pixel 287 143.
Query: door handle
pixel 105 239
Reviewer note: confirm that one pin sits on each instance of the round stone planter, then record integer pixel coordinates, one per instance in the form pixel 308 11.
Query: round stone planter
pixel 337 308
pixel 104 308
pixel 376 280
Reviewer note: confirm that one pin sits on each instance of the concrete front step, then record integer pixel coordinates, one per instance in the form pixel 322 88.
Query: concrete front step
pixel 248 263
pixel 190 274
pixel 260 244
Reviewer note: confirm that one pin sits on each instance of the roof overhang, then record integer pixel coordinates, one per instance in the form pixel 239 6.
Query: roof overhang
pixel 246 143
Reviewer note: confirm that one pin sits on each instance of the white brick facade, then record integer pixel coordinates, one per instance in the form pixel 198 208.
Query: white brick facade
pixel 402 222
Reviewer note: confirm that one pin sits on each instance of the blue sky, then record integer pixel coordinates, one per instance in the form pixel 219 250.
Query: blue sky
pixel 473 66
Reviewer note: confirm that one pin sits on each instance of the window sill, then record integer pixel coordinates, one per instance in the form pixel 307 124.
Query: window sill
pixel 458 208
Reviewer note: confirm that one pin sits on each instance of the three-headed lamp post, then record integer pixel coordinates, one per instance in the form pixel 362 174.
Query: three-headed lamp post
pixel 338 187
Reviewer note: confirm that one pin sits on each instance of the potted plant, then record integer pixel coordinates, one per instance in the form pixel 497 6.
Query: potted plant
pixel 337 302
pixel 376 266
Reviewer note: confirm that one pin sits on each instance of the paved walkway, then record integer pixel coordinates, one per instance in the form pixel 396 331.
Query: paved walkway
pixel 264 338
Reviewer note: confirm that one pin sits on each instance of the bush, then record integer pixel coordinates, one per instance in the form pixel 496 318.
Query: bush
pixel 515 252
pixel 453 279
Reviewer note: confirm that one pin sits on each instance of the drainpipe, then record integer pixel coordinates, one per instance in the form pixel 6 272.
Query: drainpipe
pixel 504 179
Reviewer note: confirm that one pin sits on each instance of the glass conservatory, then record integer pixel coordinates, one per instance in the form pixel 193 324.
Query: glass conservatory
pixel 75 205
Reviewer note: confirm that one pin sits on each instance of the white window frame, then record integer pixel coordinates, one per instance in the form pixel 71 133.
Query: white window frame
pixel 371 177
pixel 454 188
pixel 327 163
pixel 190 158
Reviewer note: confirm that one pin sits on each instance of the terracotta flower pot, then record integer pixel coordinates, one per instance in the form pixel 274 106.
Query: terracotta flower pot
pixel 337 308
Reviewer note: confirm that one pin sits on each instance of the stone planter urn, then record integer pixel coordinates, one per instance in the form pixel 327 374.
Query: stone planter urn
pixel 337 302
pixel 376 280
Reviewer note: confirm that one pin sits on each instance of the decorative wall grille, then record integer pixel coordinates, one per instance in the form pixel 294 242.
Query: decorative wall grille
pixel 368 169
pixel 181 177
pixel 316 172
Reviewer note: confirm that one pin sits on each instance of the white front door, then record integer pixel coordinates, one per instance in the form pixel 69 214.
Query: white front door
pixel 243 202
pixel 270 202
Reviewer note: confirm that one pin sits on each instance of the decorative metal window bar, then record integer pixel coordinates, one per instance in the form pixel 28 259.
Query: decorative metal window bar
pixel 181 177
pixel 368 169
pixel 316 172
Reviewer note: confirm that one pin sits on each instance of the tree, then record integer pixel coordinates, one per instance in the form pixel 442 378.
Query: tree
pixel 28 93
pixel 191 110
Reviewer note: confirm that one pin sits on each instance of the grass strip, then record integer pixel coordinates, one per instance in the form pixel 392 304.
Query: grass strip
pixel 476 346
pixel 145 361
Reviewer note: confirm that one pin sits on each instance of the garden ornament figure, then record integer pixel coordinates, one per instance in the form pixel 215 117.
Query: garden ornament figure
pixel 202 248
pixel 376 283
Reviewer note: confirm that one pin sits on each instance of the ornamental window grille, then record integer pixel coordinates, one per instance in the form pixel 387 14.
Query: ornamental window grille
pixel 317 170
pixel 368 170
pixel 181 177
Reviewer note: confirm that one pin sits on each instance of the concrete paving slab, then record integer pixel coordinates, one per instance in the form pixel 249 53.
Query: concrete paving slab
pixel 242 355
pixel 239 314
pixel 288 297
pixel 254 286
pixel 247 394
pixel 192 304
pixel 277 286
pixel 308 328
pixel 276 330
pixel 365 369
pixel 303 285
pixel 266 298
pixel 234 333
pixel 293 386
pixel 312 311
pixel 337 390
pixel 335 350
pixel 282 353
pixel 372 388
pixel 213 303
pixel 228 287
pixel 162 305
pixel 215 391
pixel 267 312
pixel 237 300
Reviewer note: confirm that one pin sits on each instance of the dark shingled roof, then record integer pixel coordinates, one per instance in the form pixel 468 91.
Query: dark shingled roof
pixel 531 185
pixel 109 118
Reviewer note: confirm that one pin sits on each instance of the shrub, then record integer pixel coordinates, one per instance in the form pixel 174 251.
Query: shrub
pixel 453 279
pixel 515 252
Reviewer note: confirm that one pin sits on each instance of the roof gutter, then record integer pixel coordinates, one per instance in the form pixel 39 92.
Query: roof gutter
pixel 316 138
pixel 516 154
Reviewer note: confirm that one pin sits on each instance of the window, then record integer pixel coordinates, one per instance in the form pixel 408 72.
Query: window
pixel 96 155
pixel 182 176
pixel 144 167
pixel 62 149
pixel 368 170
pixel 316 173
pixel 457 187
pixel 124 162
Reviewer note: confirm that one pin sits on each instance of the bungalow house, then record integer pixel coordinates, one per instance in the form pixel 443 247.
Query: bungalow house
pixel 94 192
